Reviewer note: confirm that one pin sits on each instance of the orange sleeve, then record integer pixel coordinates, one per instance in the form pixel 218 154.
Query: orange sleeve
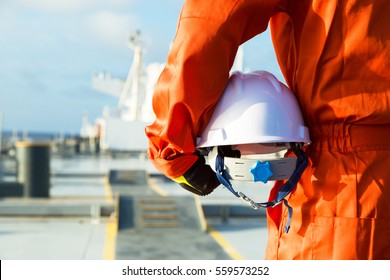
pixel 196 72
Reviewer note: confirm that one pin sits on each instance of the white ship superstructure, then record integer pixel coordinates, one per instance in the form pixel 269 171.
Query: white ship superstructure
pixel 123 128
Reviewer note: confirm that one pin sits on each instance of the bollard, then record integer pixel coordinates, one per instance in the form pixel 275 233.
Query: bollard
pixel 33 168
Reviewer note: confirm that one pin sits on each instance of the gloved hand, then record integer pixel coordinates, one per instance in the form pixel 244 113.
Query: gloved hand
pixel 200 179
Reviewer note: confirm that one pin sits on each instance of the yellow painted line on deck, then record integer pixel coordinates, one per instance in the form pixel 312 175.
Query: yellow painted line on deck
pixel 229 249
pixel 202 218
pixel 107 190
pixel 156 188
pixel 110 240
pixel 109 252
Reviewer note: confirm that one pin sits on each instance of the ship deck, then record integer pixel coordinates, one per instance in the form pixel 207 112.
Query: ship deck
pixel 105 207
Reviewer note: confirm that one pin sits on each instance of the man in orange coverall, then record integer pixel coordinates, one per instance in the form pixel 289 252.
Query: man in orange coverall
pixel 335 56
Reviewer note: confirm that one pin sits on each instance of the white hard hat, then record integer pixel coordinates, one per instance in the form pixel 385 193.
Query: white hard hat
pixel 256 115
pixel 255 108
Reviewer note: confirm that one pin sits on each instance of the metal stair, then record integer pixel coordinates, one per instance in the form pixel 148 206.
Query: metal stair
pixel 158 213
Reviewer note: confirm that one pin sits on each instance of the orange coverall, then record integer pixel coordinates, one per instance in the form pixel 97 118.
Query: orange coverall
pixel 335 56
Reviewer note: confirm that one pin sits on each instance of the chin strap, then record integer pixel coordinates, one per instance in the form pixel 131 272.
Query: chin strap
pixel 222 174
pixel 285 190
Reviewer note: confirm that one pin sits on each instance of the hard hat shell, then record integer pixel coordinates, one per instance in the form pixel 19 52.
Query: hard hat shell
pixel 255 108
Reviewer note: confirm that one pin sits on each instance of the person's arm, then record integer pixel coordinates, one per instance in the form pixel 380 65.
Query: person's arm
pixel 197 69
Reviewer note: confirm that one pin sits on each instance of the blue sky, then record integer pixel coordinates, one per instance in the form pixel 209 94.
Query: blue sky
pixel 50 48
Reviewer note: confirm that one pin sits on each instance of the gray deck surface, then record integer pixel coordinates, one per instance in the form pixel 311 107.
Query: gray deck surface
pixel 168 244
pixel 65 226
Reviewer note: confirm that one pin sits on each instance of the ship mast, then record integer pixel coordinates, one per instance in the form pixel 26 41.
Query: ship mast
pixel 128 106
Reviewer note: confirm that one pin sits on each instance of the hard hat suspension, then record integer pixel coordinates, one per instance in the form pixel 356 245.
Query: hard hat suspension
pixel 286 189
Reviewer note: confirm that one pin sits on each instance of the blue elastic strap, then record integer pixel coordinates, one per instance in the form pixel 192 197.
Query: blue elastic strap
pixel 290 212
pixel 289 186
pixel 301 165
pixel 222 175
